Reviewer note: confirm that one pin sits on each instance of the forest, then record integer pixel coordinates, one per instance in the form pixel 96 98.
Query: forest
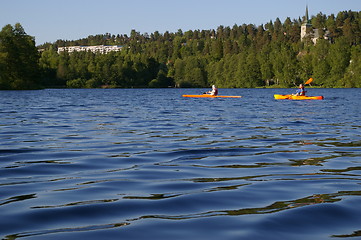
pixel 241 56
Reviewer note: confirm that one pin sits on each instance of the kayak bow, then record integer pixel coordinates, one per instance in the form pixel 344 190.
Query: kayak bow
pixel 210 96
pixel 293 97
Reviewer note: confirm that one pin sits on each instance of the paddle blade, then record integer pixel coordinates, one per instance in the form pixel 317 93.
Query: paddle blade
pixel 309 81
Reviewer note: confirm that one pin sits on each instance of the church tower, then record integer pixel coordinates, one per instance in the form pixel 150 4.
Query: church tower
pixel 306 26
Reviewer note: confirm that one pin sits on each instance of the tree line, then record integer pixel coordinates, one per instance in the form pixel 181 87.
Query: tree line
pixel 242 56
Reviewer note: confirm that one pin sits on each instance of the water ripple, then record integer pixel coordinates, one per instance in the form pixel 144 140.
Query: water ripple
pixel 91 164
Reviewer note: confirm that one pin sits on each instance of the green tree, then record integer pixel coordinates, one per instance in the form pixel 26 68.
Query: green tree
pixel 352 77
pixel 284 63
pixel 252 74
pixel 217 49
pixel 339 59
pixel 162 81
pixel 230 70
pixel 321 67
pixel 179 73
pixel 265 64
pixel 48 63
pixel 76 83
pixel 319 21
pixel 4 84
pixel 194 73
pixel 18 58
pixel 219 77
pixel 305 70
pixel 241 69
pixel 62 72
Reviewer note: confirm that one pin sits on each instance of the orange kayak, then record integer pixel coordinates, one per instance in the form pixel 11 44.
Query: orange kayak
pixel 210 96
pixel 292 97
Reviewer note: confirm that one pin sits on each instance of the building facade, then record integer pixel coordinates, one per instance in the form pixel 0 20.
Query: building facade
pixel 308 32
pixel 103 49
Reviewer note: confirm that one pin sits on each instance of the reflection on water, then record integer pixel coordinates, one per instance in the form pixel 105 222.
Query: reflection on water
pixel 147 163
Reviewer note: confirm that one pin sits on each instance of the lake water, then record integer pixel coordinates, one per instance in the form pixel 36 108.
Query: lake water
pixel 149 164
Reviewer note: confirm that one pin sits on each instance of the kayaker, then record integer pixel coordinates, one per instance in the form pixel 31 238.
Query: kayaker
pixel 214 91
pixel 301 90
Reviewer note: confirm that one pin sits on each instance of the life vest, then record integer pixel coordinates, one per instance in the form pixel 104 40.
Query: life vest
pixel 302 91
pixel 215 92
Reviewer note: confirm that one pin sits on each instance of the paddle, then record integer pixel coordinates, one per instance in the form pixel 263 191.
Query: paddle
pixel 309 81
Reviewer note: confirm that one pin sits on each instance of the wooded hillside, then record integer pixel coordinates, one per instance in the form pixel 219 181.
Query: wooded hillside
pixel 241 56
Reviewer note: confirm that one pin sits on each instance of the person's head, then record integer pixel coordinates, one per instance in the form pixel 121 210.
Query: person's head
pixel 301 85
pixel 213 86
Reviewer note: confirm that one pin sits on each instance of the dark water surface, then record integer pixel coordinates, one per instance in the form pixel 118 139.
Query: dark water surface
pixel 149 164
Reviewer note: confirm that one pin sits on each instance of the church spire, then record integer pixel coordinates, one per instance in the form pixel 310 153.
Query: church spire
pixel 306 19
pixel 306 26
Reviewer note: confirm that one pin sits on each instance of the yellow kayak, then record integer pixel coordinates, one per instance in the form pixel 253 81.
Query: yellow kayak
pixel 293 97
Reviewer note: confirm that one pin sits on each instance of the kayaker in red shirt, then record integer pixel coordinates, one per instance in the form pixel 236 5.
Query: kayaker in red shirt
pixel 214 91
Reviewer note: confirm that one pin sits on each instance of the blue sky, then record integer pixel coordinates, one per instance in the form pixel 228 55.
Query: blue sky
pixel 50 20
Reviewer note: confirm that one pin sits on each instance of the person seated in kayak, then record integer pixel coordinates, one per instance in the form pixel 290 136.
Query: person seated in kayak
pixel 214 91
pixel 301 91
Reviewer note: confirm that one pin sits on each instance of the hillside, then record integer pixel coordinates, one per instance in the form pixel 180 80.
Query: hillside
pixel 241 56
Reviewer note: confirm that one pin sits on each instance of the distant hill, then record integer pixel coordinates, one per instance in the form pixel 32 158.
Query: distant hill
pixel 241 56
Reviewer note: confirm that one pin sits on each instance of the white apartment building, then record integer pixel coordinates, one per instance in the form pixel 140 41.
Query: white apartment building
pixel 103 49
